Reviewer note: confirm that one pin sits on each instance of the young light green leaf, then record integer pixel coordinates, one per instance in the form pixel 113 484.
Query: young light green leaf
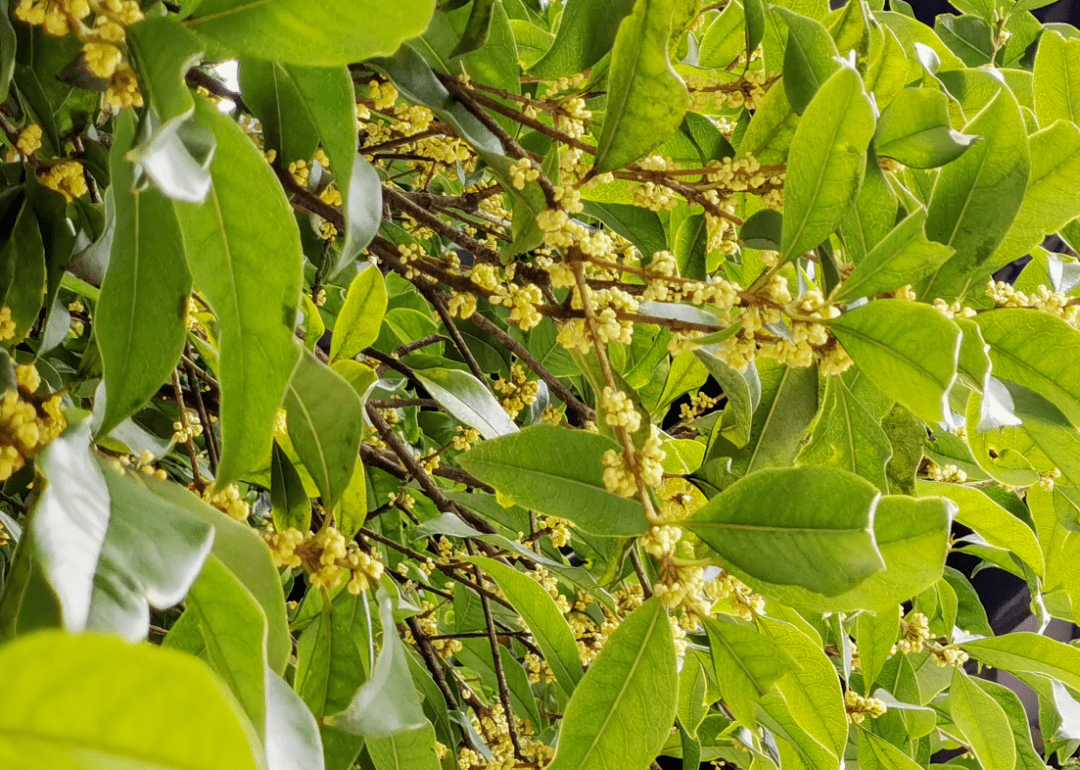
pixel 542 617
pixel 1021 351
pixel 325 419
pixel 586 33
pixel 907 350
pixel 121 705
pixel 387 704
pixel 876 634
pixel 234 629
pixel 983 723
pixel 646 99
pixel 915 130
pixel 1057 69
pixel 467 399
pixel 847 436
pixel 248 268
pixel 140 315
pixel 1026 756
pixel 361 316
pixel 623 708
pixel 747 664
pixel 810 58
pixel 996 525
pixel 558 472
pixel 724 40
pixel 903 257
pixel 809 526
pixel 296 32
pixel 827 162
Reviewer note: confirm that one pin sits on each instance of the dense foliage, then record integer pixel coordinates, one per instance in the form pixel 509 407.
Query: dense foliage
pixel 511 385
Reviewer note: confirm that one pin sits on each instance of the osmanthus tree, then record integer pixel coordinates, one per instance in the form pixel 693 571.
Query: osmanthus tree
pixel 511 385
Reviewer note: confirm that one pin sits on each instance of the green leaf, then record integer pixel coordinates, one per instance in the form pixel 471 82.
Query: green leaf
pixel 234 629
pixel 1025 652
pixel 969 37
pixel 164 50
pixel 1026 756
pixel 296 32
pixel 477 28
pixel 747 663
pixel 693 685
pixel 904 256
pixel 139 322
pixel 275 99
pixel 690 246
pixel 977 196
pixel 361 316
pixel 467 399
pixel 329 664
pixel 291 508
pixel 809 526
pixel 878 754
pixel 1057 67
pixel 1038 351
pixel 724 40
pixel 22 272
pixel 540 614
pixel 646 99
pixel 754 11
pixel 410 750
pixel 353 510
pixel 886 73
pixel 771 130
pixel 907 350
pixel 557 472
pixel 847 436
pixel 915 130
pixel 996 525
pixel 386 704
pixel 810 58
pixel 827 162
pixel 8 43
pixel 873 214
pixel 325 420
pixel 292 735
pixel 743 393
pixel 983 723
pixel 587 31
pixel 246 555
pixel 152 553
pixel 762 230
pixel 875 634
pixel 641 227
pixel 97 699
pixel 623 708
pixel 243 247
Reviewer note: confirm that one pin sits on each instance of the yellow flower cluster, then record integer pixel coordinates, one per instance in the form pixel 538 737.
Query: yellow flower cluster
pixel 954 309
pixel 1053 302
pixel 859 707
pixel 229 501
pixel 559 530
pixel 27 421
pixel 915 633
pixel 425 619
pixel 29 140
pixel 518 391
pixel 66 178
pixel 949 474
pixel 7 324
pixel 949 656
pixel 183 432
pixel 699 404
pixel 102 38
pixel 326 557
pixel 619 477
pixel 462 305
pixel 465 438
pixel 619 410
pixel 383 95
pixel 522 171
pixel 538 669
pixel 493 727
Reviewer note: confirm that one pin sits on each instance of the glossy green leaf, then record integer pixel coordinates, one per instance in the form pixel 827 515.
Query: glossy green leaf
pixel 330 666
pixel 361 316
pixel 847 436
pixel 234 630
pixel 1057 68
pixel 1038 351
pixel 1026 756
pixel 693 685
pixel 903 257
pixel 724 39
pixel 772 129
pixel 353 509
pixel 915 130
pixel 325 419
pixel 153 550
pixel 876 634
pixel 276 101
pixel 968 37
pixel 690 247
pixel 1025 652
pixel 539 613
pixel 996 525
pixel 827 162
pixel 886 73
pixel 296 32
pixel 95 701
pixel 467 399
pixel 291 508
pixel 747 664
pixel 646 99
pixel 386 704
pixel 586 33
pixel 246 555
pixel 641 227
pixel 164 50
pixel 976 197
pixel 623 708
pixel 140 315
pixel 743 392
pixel 557 472
pixel 809 526
pixel 907 350
pixel 410 750
pixel 982 722
pixel 873 214
pixel 22 272
pixel 243 248
pixel 876 753
pixel 810 58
